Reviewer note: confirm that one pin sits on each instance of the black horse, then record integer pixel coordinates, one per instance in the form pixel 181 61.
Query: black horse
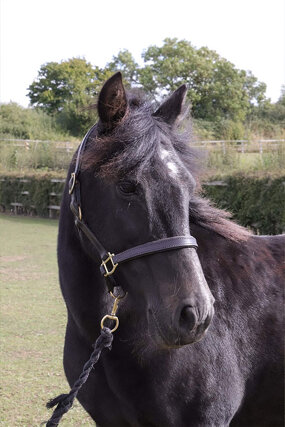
pixel 138 183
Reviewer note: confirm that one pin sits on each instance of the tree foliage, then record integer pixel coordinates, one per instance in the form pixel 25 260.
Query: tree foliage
pixel 60 83
pixel 217 91
pixel 27 123
pixel 268 118
pixel 125 63
pixel 65 89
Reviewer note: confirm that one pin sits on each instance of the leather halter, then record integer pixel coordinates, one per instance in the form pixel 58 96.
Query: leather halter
pixel 110 261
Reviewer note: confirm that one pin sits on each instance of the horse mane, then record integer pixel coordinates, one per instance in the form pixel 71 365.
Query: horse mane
pixel 133 145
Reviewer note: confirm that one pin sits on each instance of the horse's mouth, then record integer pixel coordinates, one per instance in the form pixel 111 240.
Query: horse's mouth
pixel 195 336
pixel 172 339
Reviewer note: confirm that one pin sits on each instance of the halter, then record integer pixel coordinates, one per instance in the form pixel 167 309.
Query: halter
pixel 109 260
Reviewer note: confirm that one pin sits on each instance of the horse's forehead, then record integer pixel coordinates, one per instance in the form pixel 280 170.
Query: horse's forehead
pixel 171 162
pixel 168 197
pixel 170 176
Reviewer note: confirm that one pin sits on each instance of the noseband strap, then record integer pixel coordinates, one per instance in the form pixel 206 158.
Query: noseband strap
pixel 110 261
pixel 149 248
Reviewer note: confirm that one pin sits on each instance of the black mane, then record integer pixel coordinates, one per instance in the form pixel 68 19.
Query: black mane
pixel 132 146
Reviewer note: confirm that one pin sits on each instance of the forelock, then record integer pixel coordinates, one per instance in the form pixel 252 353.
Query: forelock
pixel 134 144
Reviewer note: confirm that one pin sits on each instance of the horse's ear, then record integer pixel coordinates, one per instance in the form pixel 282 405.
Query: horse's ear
pixel 112 102
pixel 171 109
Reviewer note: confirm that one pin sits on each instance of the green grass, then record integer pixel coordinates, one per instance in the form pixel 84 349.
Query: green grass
pixel 33 318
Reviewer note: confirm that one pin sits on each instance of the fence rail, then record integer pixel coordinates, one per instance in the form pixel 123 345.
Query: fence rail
pixel 241 145
pixel 222 156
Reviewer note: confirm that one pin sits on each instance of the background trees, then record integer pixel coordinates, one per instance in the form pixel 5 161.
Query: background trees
pixel 218 92
pixel 27 123
pixel 65 89
pixel 216 89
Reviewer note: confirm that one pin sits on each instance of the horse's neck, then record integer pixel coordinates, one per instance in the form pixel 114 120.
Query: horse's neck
pixel 223 260
pixel 245 268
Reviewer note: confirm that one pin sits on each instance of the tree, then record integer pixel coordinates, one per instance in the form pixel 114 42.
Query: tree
pixel 58 83
pixel 27 123
pixel 281 100
pixel 216 88
pixel 125 63
pixel 66 89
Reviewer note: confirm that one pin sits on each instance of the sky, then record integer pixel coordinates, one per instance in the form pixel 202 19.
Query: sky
pixel 249 33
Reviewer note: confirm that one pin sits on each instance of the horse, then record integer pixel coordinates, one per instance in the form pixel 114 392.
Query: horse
pixel 199 342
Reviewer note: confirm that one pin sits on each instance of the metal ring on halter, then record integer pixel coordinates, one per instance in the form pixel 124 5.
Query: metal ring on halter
pixel 111 317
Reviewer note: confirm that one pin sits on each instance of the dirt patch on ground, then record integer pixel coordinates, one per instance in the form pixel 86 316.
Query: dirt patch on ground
pixel 12 258
pixel 19 275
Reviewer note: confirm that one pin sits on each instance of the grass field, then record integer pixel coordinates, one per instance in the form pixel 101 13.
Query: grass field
pixel 33 321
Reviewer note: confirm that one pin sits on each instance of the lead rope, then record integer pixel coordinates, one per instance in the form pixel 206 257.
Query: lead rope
pixel 65 401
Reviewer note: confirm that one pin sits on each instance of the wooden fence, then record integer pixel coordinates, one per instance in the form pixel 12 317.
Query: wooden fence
pixel 242 145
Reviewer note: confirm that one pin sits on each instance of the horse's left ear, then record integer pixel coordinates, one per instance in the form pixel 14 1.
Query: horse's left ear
pixel 112 102
pixel 171 109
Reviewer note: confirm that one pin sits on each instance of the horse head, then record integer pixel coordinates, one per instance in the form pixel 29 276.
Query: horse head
pixel 136 187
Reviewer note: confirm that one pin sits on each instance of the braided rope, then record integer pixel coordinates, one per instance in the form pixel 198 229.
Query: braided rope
pixel 65 401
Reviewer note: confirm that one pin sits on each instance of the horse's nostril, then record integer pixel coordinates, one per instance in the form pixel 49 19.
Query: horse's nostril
pixel 188 318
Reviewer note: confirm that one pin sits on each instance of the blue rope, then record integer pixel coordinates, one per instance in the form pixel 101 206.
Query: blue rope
pixel 65 401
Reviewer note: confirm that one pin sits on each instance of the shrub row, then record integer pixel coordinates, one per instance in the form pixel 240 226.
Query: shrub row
pixel 35 194
pixel 255 202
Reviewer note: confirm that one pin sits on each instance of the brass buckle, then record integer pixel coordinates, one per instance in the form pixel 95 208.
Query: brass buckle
pixel 73 183
pixel 104 264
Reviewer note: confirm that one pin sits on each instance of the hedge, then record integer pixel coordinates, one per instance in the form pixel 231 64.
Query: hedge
pixel 34 193
pixel 256 202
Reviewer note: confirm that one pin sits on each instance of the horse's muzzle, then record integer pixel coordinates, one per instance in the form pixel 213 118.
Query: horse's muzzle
pixel 188 325
pixel 191 322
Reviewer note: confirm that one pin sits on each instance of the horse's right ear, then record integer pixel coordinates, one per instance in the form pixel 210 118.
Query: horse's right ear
pixel 112 102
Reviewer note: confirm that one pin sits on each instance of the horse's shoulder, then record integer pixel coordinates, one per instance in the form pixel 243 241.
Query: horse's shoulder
pixel 277 240
pixel 274 246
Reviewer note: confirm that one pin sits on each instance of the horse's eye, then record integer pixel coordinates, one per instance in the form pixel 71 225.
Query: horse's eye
pixel 127 187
